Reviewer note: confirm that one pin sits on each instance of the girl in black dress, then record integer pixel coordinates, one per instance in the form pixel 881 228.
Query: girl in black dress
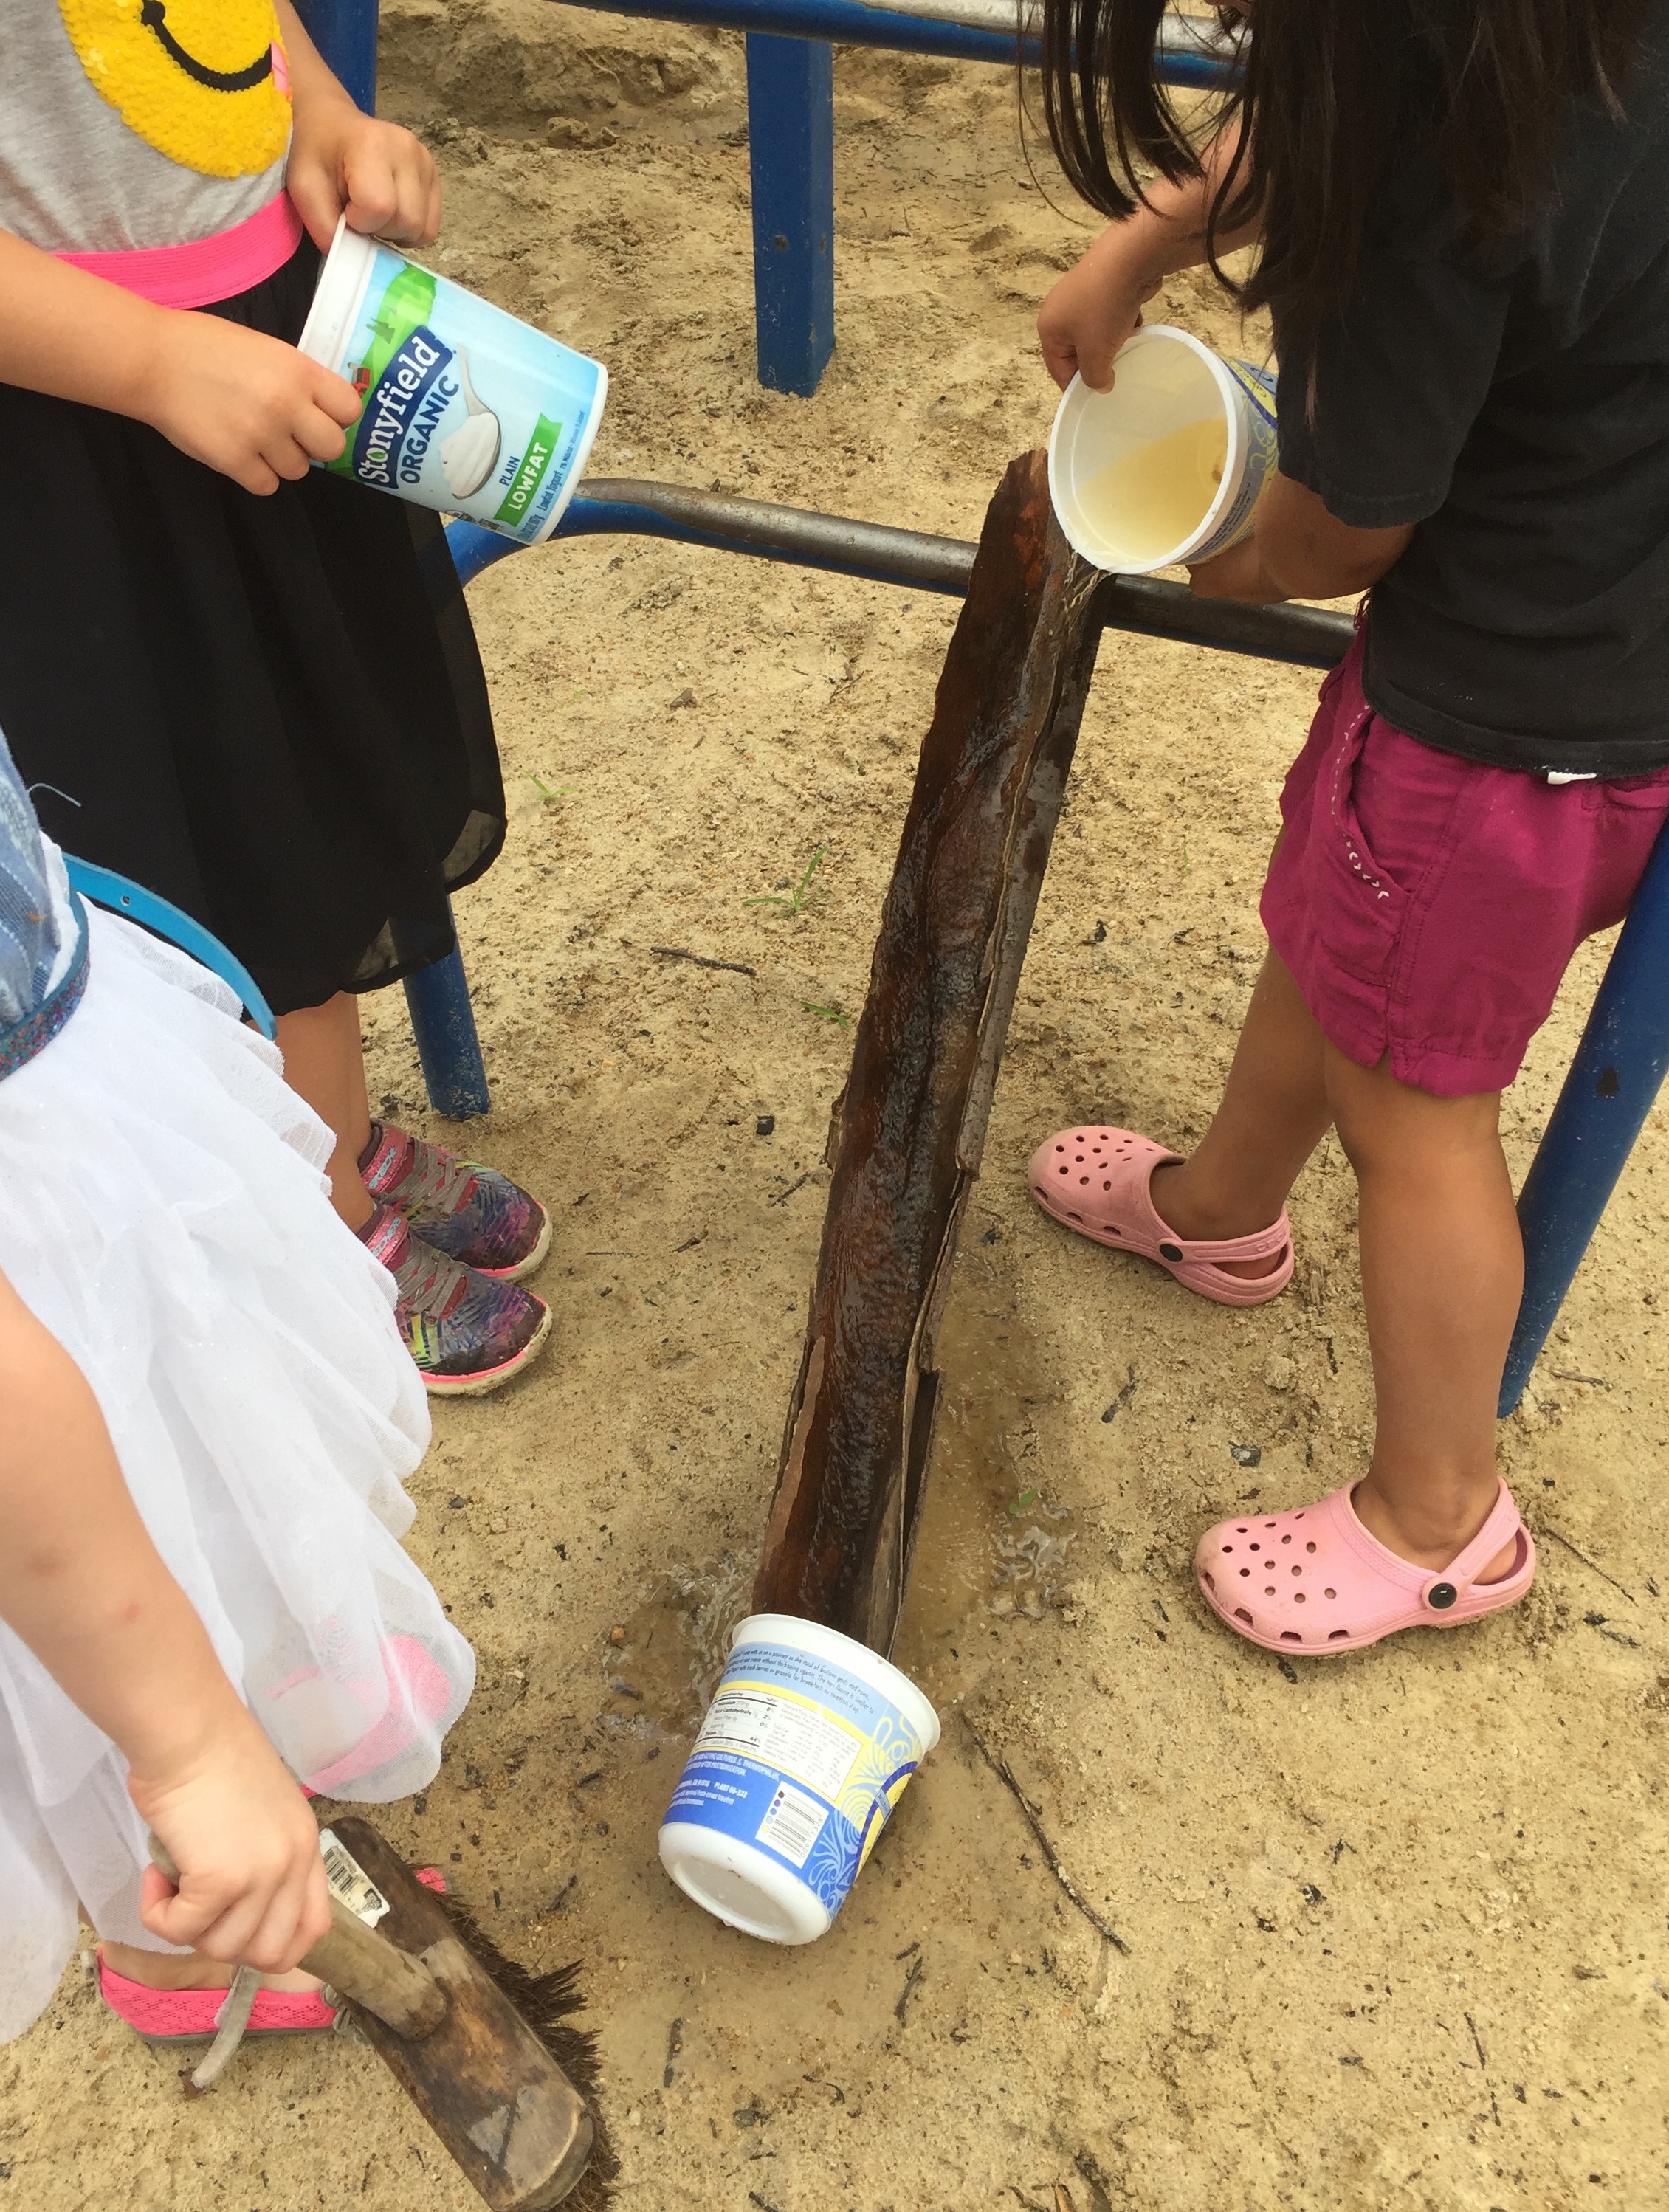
pixel 222 671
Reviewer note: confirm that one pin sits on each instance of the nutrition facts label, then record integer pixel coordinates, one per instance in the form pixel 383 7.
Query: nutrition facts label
pixel 796 1739
pixel 793 1823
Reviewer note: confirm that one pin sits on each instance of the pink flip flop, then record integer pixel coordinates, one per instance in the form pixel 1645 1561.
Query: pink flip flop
pixel 1314 1581
pixel 195 2015
pixel 1095 1180
pixel 192 2015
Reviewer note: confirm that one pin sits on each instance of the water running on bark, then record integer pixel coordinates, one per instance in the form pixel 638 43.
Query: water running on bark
pixel 907 1132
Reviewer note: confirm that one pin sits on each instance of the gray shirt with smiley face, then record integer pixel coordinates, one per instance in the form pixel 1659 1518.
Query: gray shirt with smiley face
pixel 124 128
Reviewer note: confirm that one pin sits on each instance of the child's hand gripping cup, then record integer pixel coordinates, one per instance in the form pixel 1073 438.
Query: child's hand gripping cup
pixel 465 410
pixel 807 1748
pixel 1168 465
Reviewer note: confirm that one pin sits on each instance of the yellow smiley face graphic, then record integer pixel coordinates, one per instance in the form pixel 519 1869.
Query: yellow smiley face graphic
pixel 202 81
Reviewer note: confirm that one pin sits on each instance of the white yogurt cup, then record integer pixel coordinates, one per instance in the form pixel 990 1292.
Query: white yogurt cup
pixel 1166 384
pixel 807 1748
pixel 466 410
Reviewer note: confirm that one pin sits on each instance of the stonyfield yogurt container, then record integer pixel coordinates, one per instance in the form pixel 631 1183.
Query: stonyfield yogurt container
pixel 465 409
pixel 805 1749
pixel 1168 465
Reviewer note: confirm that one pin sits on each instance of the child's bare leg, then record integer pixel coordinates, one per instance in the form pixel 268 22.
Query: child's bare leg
pixel 325 1060
pixel 190 1970
pixel 1275 1112
pixel 1441 1260
pixel 1442 1267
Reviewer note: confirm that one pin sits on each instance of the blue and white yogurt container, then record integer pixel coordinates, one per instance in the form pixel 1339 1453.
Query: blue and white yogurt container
pixel 1168 465
pixel 805 1749
pixel 465 409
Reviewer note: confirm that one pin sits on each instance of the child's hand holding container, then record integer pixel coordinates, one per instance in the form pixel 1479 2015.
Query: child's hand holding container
pixel 465 410
pixel 1167 466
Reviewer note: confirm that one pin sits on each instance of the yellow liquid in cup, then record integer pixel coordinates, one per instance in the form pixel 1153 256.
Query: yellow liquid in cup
pixel 1155 497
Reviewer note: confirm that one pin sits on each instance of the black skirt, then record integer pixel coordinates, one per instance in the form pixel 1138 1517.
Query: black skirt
pixel 270 710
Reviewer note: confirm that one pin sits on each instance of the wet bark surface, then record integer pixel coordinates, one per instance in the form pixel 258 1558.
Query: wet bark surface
pixel 908 1130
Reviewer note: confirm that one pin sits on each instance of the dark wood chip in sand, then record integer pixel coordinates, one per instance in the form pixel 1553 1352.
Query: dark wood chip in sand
pixel 700 959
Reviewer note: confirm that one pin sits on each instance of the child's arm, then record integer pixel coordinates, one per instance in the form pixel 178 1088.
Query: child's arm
pixel 341 158
pixel 1093 310
pixel 1298 551
pixel 82 1585
pixel 248 404
pixel 244 404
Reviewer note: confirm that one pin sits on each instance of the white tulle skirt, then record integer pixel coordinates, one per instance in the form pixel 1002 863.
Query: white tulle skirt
pixel 163 1212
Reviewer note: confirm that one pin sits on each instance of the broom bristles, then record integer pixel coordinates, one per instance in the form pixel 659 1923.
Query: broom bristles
pixel 548 2002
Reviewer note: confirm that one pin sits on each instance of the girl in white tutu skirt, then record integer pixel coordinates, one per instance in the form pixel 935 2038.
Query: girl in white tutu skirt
pixel 206 1414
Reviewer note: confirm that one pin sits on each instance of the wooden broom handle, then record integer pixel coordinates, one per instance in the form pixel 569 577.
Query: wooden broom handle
pixel 377 1974
pixel 362 1965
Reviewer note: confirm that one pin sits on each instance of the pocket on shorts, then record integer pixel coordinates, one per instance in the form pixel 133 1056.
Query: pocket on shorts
pixel 1361 908
pixel 1630 793
pixel 1330 682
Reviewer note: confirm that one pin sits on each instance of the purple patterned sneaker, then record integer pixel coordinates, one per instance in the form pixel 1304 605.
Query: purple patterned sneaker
pixel 467 1332
pixel 472 1213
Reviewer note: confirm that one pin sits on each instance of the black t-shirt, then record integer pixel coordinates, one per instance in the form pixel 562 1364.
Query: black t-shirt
pixel 1514 408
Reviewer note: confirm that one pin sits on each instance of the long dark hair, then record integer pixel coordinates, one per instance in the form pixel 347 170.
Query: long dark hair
pixel 1332 96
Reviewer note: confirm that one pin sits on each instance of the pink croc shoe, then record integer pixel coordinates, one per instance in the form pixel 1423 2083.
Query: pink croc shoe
pixel 192 2015
pixel 1096 1181
pixel 1314 1581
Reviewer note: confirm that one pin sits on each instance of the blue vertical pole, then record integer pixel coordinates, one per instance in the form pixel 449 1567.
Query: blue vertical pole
pixel 790 133
pixel 437 997
pixel 1608 1092
pixel 443 1026
pixel 345 33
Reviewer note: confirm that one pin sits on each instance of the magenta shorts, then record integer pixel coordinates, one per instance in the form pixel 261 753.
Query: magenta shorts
pixel 1427 905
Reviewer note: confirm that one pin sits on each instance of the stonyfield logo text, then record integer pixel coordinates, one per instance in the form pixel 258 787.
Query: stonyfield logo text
pixel 403 413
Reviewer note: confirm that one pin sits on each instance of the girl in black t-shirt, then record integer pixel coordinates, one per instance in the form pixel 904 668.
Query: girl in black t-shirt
pixel 1463 218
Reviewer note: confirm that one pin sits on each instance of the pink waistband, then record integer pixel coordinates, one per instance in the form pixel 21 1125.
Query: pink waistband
pixel 209 268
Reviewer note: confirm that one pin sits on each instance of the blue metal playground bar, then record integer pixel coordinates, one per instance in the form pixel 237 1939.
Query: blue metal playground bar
pixel 345 33
pixel 958 30
pixel 1307 636
pixel 790 115
pixel 1609 1090
pixel 1622 1059
pixel 790 108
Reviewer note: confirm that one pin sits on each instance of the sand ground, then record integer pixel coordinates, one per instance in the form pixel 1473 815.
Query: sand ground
pixel 1393 1926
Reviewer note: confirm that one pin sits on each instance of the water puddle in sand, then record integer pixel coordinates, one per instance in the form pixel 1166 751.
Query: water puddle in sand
pixel 662 1673
pixel 995 1541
